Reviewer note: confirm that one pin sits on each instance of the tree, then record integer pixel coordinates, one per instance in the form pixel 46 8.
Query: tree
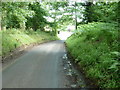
pixel 55 13
pixel 100 11
pixel 14 14
pixel 37 21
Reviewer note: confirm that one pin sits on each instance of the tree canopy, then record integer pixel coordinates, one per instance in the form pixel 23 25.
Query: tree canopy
pixel 37 15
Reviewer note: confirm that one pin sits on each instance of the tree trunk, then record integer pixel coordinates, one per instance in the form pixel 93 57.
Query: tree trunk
pixel 75 17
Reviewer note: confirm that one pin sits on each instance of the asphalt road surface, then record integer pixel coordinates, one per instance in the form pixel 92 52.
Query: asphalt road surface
pixel 38 68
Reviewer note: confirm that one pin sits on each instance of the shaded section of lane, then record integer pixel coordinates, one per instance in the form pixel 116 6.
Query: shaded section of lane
pixel 39 68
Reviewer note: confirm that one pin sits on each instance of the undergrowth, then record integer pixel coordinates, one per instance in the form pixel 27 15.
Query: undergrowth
pixel 95 47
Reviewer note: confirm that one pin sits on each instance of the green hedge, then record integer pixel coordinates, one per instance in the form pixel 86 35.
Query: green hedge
pixel 95 48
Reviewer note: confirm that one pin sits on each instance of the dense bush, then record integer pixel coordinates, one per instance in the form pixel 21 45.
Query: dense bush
pixel 95 48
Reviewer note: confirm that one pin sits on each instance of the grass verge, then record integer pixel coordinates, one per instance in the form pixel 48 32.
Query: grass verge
pixel 14 38
pixel 95 48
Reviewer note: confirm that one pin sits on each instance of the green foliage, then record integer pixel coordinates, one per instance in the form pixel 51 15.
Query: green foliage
pixel 14 14
pixel 101 11
pixel 23 15
pixel 55 12
pixel 95 48
pixel 37 21
pixel 13 38
pixel 106 12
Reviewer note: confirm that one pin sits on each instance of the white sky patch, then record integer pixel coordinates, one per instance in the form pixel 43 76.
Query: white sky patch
pixel 59 16
pixel 61 9
pixel 71 27
pixel 52 11
pixel 67 14
pixel 79 20
pixel 49 19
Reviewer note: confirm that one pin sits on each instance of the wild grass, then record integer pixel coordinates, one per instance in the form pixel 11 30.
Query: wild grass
pixel 95 47
pixel 14 38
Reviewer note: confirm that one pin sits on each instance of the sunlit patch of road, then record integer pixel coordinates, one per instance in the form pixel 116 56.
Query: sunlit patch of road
pixel 63 35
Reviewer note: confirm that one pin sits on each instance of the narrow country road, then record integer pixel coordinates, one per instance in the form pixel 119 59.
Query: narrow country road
pixel 38 68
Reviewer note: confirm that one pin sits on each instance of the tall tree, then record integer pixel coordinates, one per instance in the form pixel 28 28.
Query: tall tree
pixel 88 12
pixel 55 13
pixel 14 14
pixel 37 21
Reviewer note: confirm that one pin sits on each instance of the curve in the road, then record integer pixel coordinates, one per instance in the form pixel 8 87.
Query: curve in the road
pixel 39 68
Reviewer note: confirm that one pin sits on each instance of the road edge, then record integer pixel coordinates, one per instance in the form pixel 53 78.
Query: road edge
pixel 11 56
pixel 91 83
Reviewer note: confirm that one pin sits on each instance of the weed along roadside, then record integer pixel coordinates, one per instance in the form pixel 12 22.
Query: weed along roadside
pixel 95 50
pixel 15 42
pixel 89 83
pixel 80 78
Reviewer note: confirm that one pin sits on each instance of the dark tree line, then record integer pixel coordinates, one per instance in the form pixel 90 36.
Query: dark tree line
pixel 27 15
pixel 101 11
